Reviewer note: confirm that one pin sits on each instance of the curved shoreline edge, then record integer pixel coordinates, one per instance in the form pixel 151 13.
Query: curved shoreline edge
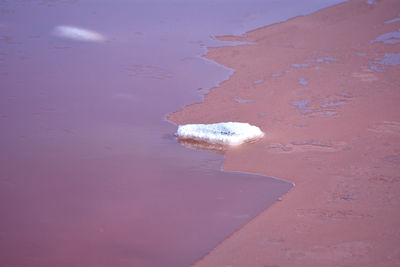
pixel 322 92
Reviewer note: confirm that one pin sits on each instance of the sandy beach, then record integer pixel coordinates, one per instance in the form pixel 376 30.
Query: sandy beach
pixel 90 171
pixel 325 90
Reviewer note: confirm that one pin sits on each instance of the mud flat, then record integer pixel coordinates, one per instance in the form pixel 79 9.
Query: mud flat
pixel 325 90
pixel 90 173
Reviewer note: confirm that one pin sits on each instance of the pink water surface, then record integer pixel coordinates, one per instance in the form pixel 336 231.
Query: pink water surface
pixel 90 172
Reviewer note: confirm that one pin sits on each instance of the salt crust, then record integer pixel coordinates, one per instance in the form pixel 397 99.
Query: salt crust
pixel 225 133
pixel 78 34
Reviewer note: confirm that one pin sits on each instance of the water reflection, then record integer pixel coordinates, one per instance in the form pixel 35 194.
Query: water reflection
pixel 203 146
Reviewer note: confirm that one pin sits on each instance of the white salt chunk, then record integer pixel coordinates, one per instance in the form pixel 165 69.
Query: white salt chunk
pixel 78 34
pixel 225 133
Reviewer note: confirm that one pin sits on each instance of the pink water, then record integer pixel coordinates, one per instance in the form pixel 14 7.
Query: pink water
pixel 90 172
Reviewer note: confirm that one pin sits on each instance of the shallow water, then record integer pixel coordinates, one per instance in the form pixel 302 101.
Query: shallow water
pixel 91 174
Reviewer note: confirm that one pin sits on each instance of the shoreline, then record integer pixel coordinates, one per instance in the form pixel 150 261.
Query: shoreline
pixel 321 90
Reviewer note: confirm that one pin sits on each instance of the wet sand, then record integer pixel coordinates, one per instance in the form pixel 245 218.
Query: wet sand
pixel 325 90
pixel 90 172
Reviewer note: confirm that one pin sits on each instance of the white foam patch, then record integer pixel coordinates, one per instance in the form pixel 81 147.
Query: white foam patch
pixel 78 34
pixel 225 133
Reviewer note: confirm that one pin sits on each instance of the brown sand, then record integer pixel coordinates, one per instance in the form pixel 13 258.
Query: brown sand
pixel 341 148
